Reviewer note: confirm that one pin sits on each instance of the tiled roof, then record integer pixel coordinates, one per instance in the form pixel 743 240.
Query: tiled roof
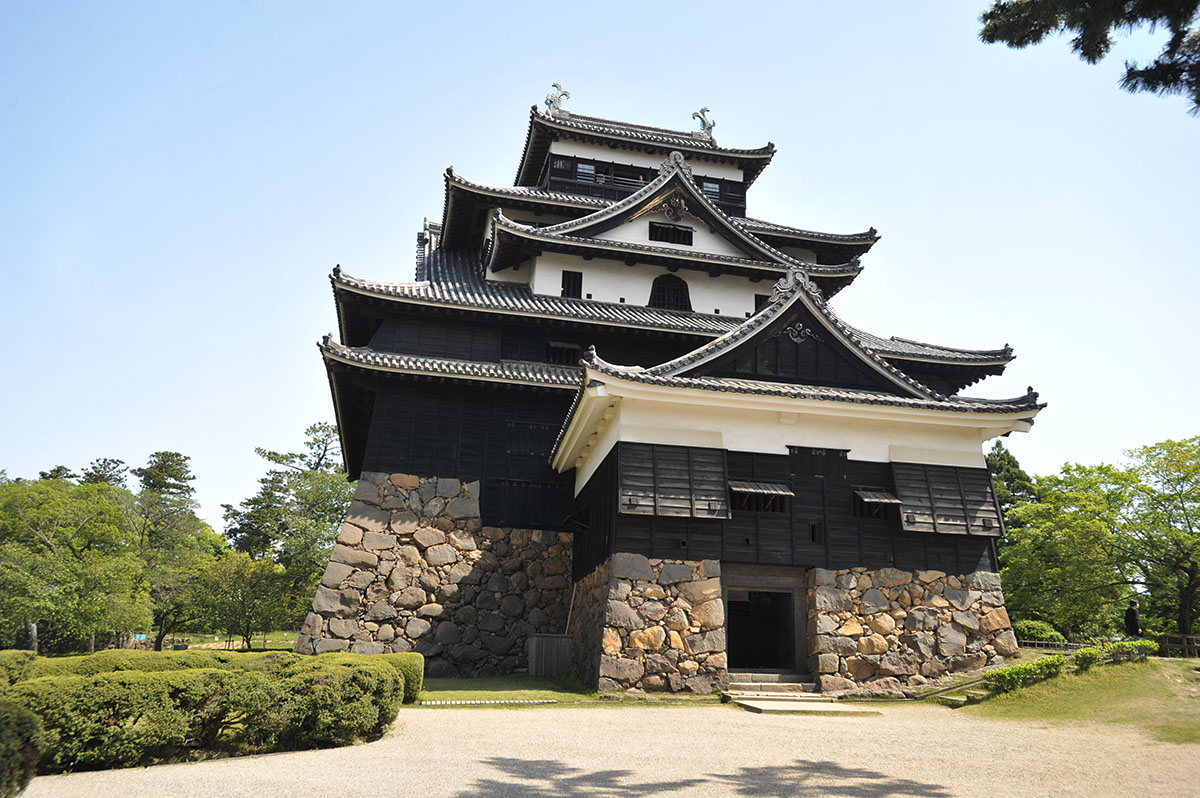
pixel 509 371
pixel 756 387
pixel 655 135
pixel 454 278
pixel 534 194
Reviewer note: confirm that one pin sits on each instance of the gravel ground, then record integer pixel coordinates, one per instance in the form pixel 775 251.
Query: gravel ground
pixel 910 750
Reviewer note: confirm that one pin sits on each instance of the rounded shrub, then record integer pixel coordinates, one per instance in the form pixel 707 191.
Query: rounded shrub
pixel 15 666
pixel 1039 631
pixel 22 742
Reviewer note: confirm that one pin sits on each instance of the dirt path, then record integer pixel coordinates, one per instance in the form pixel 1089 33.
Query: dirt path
pixel 911 750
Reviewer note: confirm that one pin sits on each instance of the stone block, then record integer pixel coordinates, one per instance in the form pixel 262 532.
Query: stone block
pixel 448 488
pixel 625 672
pixel 967 619
pixel 872 644
pixel 851 628
pixel 951 640
pixel 312 625
pixel 968 662
pixel 462 540
pixel 463 507
pixel 676 619
pixel 929 576
pixel 366 647
pixel 654 611
pixel 354 557
pixel 1005 643
pixel 834 644
pixel 673 572
pixel 827 599
pixel 512 606
pixel 377 541
pixel 409 598
pixel 710 614
pixel 610 641
pixel 874 601
pixel 447 633
pixel 428 536
pixel 626 565
pixel 827 623
pixel 702 684
pixel 710 568
pixel 821 577
pixel 408 555
pixel 897 663
pixel 704 642
pixel 921 643
pixel 350 535
pixel 406 481
pixel 882 623
pixel 892 577
pixel 342 603
pixel 622 616
pixel 336 573
pixel 828 663
pixel 961 599
pixel 995 620
pixel 328 644
pixel 860 669
pixel 984 580
pixel 417 627
pixel 431 610
pixel 700 591
pixel 372 519
pixel 440 555
pixel 651 639
pixel 922 618
pixel 367 491
pixel 464 573
pixel 381 611
pixel 343 627
pixel 828 683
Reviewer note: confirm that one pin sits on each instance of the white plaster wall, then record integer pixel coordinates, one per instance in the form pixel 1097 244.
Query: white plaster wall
pixel 595 152
pixel 609 280
pixel 802 255
pixel 771 432
pixel 638 232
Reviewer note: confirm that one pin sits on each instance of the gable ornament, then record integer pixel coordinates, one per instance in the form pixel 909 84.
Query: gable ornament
pixel 673 207
pixel 706 126
pixel 554 100
pixel 676 161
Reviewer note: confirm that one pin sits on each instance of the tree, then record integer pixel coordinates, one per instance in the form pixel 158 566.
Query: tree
pixel 1009 480
pixel 244 596
pixel 105 470
pixel 296 513
pixel 1176 70
pixel 58 472
pixel 1098 534
pixel 167 472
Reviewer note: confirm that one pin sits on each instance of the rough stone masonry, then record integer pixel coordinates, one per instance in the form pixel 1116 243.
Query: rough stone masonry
pixel 414 569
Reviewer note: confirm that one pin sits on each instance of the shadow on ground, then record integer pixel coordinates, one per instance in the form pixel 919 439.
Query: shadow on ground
pixel 542 778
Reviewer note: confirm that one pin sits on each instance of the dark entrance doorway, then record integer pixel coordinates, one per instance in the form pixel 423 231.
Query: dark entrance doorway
pixel 760 630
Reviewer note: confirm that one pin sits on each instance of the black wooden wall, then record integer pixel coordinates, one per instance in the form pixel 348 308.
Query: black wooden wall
pixel 501 436
pixel 820 527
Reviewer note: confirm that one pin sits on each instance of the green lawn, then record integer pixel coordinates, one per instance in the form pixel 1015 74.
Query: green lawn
pixel 523 688
pixel 1160 696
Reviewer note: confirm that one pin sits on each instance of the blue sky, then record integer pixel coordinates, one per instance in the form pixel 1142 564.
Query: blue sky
pixel 177 180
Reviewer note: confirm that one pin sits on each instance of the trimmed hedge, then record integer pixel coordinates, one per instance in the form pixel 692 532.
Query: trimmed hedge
pixel 1038 631
pixel 1114 652
pixel 1085 658
pixel 22 743
pixel 15 666
pixel 126 708
pixel 1011 677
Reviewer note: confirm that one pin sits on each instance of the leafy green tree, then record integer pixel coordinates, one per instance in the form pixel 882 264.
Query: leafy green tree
pixel 296 513
pixel 167 473
pixel 105 470
pixel 1098 534
pixel 244 596
pixel 1009 480
pixel 1176 70
pixel 58 472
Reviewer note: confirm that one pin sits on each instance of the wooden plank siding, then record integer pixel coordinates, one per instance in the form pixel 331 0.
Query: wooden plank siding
pixel 822 528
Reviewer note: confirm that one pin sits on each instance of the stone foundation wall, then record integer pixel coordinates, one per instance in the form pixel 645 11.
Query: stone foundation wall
pixel 414 569
pixel 889 627
pixel 660 622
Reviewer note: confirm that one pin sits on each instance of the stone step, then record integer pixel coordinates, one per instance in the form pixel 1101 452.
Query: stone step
pixel 978 695
pixel 735 695
pixel 953 701
pixel 773 687
pixel 777 707
pixel 769 676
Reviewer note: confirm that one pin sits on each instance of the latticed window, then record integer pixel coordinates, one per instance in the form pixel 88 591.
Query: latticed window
pixel 670 293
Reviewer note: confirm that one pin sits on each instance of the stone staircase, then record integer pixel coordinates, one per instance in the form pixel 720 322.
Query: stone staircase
pixel 778 691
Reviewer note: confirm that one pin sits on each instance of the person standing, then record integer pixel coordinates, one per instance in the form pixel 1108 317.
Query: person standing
pixel 1133 620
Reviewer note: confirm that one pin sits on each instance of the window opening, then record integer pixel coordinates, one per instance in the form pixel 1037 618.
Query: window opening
pixel 562 354
pixel 572 284
pixel 669 293
pixel 671 233
pixel 585 172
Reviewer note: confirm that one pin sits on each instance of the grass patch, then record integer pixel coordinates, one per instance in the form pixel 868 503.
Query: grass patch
pixel 507 688
pixel 1159 696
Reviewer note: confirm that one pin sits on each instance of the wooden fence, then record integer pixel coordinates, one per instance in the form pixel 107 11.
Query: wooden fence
pixel 1179 645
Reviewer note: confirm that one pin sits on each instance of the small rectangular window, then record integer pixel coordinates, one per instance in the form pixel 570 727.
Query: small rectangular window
pixel 585 172
pixel 711 189
pixel 671 233
pixel 572 284
pixel 562 354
